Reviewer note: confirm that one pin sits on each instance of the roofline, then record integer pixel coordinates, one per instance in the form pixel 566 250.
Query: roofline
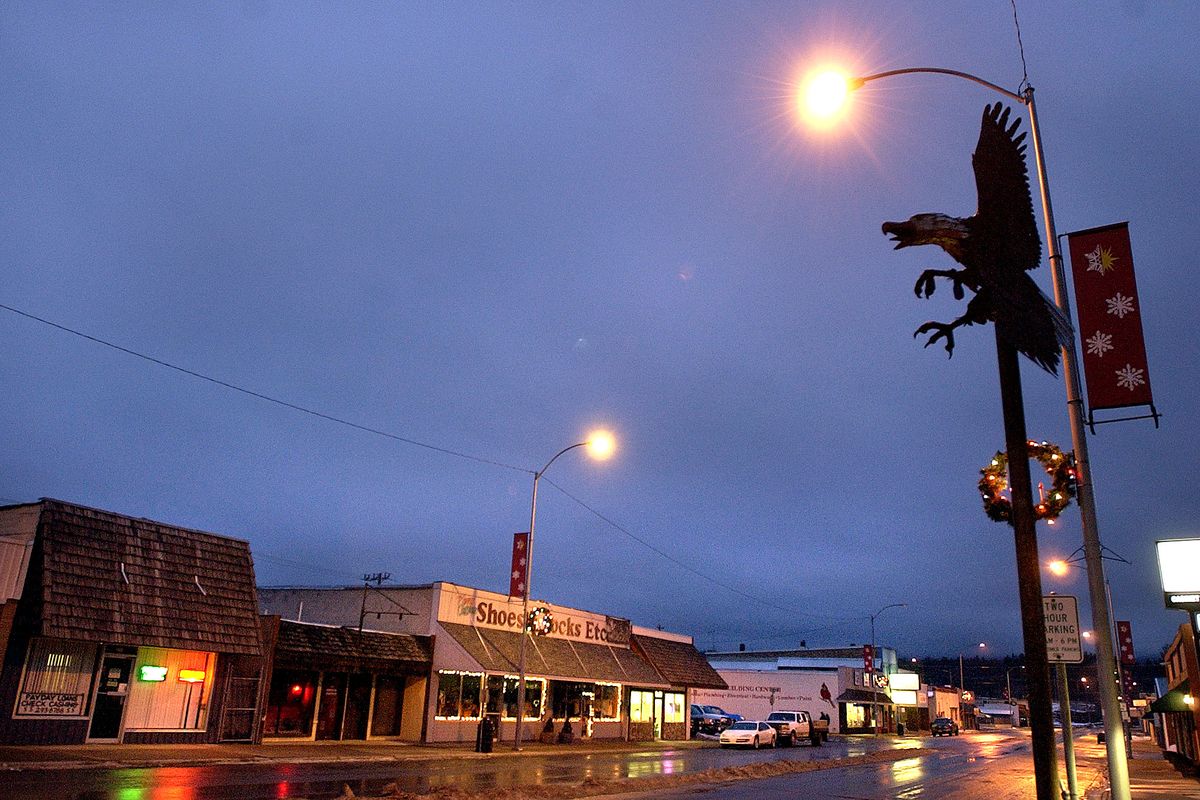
pixel 44 500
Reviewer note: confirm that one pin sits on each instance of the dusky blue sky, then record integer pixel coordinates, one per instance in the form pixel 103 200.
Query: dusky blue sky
pixel 489 227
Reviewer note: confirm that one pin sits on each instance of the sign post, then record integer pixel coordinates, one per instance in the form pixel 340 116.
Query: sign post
pixel 1064 646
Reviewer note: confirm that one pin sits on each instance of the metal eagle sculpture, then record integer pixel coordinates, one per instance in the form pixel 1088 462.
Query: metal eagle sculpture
pixel 996 247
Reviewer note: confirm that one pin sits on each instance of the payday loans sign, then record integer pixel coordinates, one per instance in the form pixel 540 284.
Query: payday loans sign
pixel 482 609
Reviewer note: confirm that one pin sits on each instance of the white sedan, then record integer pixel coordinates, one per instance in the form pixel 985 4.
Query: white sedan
pixel 750 733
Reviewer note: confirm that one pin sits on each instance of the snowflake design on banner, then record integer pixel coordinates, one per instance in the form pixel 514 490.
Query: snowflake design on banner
pixel 1099 343
pixel 1101 259
pixel 1130 377
pixel 1120 305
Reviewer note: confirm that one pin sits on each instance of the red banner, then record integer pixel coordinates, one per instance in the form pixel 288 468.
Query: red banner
pixel 1125 642
pixel 1110 318
pixel 520 565
pixel 868 658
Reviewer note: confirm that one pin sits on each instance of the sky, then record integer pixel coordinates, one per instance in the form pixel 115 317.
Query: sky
pixel 477 231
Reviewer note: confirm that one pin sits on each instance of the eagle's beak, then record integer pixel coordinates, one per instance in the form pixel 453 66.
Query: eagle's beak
pixel 898 231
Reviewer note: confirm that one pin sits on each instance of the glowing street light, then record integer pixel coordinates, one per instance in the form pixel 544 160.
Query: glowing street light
pixel 600 445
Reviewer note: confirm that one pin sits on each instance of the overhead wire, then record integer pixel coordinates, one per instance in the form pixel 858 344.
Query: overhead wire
pixel 265 397
pixel 405 440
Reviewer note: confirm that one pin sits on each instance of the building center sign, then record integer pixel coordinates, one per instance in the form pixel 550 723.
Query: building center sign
pixel 499 612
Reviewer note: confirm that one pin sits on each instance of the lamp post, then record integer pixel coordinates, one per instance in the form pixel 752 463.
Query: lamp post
pixel 874 689
pixel 961 685
pixel 825 94
pixel 600 446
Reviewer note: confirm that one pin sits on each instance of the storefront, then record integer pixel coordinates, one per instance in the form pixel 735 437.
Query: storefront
pixel 587 676
pixel 330 682
pixel 150 635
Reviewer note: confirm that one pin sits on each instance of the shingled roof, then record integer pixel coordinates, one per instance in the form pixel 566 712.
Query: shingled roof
pixel 679 662
pixel 110 578
pixel 330 647
pixel 498 651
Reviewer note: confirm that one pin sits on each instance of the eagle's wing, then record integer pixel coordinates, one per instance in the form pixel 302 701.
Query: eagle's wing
pixel 1005 214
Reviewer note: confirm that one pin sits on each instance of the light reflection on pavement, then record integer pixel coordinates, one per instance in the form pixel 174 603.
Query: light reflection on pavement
pixel 473 773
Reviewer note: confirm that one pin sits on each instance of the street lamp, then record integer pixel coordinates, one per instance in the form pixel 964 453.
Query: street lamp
pixel 961 686
pixel 824 97
pixel 600 446
pixel 875 689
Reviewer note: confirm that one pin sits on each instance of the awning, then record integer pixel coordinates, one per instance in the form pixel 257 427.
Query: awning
pixel 559 659
pixel 1171 701
pixel 307 646
pixel 864 697
pixel 679 662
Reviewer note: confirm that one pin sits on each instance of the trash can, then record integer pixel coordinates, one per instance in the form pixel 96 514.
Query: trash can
pixel 899 728
pixel 484 735
pixel 1100 737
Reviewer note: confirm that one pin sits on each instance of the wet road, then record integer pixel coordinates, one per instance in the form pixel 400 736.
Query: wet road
pixel 318 781
pixel 978 767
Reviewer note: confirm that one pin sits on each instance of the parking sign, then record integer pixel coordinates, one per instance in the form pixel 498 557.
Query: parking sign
pixel 1063 642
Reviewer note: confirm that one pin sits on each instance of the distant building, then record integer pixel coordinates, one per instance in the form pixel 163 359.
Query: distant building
pixel 821 680
pixel 1178 706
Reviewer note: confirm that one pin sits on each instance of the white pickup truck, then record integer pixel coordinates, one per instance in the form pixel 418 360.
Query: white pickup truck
pixel 792 726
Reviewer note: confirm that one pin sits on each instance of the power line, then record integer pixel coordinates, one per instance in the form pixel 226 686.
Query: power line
pixel 265 397
pixel 688 567
pixel 405 440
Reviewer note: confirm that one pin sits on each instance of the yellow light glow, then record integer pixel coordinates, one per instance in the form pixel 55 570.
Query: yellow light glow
pixel 191 675
pixel 823 96
pixel 1058 567
pixel 601 445
pixel 1087 635
pixel 1189 700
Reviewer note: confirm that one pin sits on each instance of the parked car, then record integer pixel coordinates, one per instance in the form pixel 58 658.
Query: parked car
pixel 704 722
pixel 943 726
pixel 748 733
pixel 720 712
pixel 791 726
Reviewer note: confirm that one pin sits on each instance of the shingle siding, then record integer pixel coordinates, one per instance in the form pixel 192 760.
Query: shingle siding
pixel 86 597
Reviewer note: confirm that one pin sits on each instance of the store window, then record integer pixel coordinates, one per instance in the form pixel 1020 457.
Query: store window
pixel 290 703
pixel 673 707
pixel 58 677
pixel 171 690
pixel 606 701
pixel 458 694
pixel 641 706
pixel 502 696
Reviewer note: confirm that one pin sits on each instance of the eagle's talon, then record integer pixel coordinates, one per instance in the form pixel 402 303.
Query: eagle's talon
pixel 941 331
pixel 925 285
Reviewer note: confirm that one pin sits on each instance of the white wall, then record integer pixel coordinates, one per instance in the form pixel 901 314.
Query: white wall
pixel 756 693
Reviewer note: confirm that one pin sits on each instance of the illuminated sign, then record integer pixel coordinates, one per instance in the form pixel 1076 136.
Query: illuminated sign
pixel 151 673
pixel 904 697
pixel 1178 565
pixel 907 681
pixel 191 675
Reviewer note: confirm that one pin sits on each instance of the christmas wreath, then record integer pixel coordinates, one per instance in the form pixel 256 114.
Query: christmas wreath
pixel 540 621
pixel 1058 465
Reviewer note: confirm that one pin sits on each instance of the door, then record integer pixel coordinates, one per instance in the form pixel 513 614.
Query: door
pixel 660 710
pixel 112 689
pixel 330 715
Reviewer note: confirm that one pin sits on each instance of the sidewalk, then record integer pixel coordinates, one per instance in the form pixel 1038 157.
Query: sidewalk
pixel 1151 776
pixel 141 756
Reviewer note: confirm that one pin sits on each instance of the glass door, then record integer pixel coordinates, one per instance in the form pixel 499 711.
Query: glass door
pixel 112 690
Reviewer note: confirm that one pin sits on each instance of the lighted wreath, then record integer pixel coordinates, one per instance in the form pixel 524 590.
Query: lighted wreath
pixel 1058 465
pixel 540 621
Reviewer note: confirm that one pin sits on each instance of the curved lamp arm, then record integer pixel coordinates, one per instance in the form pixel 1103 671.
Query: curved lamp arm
pixel 856 83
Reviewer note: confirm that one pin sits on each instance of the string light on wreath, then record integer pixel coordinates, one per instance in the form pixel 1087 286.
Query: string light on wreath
pixel 993 484
pixel 540 621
